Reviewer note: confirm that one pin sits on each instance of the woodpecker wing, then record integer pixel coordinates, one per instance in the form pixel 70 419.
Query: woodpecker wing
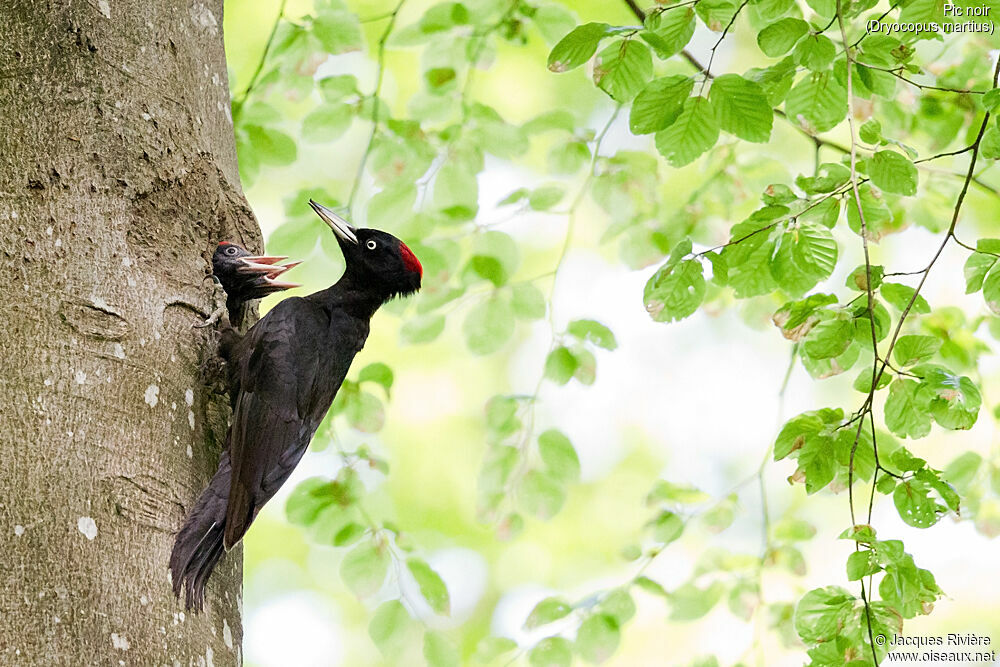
pixel 290 366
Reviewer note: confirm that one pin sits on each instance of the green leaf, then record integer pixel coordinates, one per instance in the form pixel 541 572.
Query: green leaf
pixel 962 470
pixel 348 535
pixel 561 365
pixel 797 318
pixel 669 32
pixel 551 652
pixel 829 338
pixel 991 100
pixel 818 102
pixel 989 146
pixel 623 68
pixel 859 278
pixel 815 52
pixel 364 568
pixel 694 132
pixel 748 255
pixel 863 382
pixel 659 104
pixel 336 88
pixel 338 31
pixel 545 197
pixel 742 108
pixel 327 123
pixel 793 530
pixel 553 21
pixel 441 79
pixel 871 131
pixel 444 16
pixel 527 301
pixel 488 326
pixel 547 611
pixel 991 291
pixel 954 400
pixel 716 14
pixel 432 587
pixel 422 329
pixel 619 605
pixel 899 296
pixel 914 504
pixel 598 638
pixel 666 527
pixel 806 254
pixel 379 373
pixel 316 494
pixel 828 178
pixel 651 586
pixel 912 349
pixel 577 47
pixel 271 146
pixel 862 563
pixel 594 332
pixel 541 494
pixel 391 205
pixel 821 613
pixel 439 651
pixel 907 412
pixel 893 172
pixel 495 257
pixel 976 268
pixel 558 455
pixel 675 291
pixel 775 80
pixel 778 38
pixel 456 190
pixel 388 627
pixel 689 603
pixel 859 533
pixel 668 492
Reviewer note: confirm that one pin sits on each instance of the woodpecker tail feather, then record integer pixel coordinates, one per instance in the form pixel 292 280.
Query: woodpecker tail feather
pixel 198 545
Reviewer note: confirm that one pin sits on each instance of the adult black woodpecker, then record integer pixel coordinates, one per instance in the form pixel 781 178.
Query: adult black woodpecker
pixel 246 277
pixel 286 372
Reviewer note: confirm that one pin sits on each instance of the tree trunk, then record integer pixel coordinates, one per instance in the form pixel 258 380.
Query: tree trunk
pixel 117 178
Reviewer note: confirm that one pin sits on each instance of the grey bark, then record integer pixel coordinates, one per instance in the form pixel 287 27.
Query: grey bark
pixel 117 177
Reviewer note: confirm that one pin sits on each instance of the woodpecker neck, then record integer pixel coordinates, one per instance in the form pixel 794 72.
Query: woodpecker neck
pixel 360 301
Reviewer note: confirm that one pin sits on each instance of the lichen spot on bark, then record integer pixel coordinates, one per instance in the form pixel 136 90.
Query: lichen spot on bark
pixel 87 526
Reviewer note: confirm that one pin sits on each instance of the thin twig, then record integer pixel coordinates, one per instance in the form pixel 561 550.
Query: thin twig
pixel 870 310
pixel 376 103
pixel 238 103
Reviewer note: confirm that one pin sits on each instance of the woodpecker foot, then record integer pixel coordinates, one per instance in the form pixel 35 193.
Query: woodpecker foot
pixel 217 314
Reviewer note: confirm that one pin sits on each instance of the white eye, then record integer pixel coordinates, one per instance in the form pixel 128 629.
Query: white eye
pixel 371 244
pixel 230 250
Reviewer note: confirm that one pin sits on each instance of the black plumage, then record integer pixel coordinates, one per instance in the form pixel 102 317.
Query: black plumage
pixel 286 372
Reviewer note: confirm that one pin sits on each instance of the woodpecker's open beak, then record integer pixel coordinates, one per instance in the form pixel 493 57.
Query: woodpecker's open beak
pixel 263 264
pixel 280 284
pixel 340 227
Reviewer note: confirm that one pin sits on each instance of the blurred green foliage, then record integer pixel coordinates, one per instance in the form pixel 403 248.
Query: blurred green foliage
pixel 402 114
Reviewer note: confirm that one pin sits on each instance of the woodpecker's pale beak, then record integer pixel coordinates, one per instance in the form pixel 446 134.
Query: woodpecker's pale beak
pixel 262 264
pixel 340 227
pixel 280 284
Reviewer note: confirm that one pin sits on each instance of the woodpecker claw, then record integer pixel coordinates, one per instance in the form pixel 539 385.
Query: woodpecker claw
pixel 216 315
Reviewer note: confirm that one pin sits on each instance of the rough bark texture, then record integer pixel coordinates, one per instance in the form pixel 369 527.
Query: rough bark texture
pixel 117 177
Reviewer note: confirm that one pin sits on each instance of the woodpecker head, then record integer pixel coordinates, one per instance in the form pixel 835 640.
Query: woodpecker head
pixel 246 276
pixel 375 259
